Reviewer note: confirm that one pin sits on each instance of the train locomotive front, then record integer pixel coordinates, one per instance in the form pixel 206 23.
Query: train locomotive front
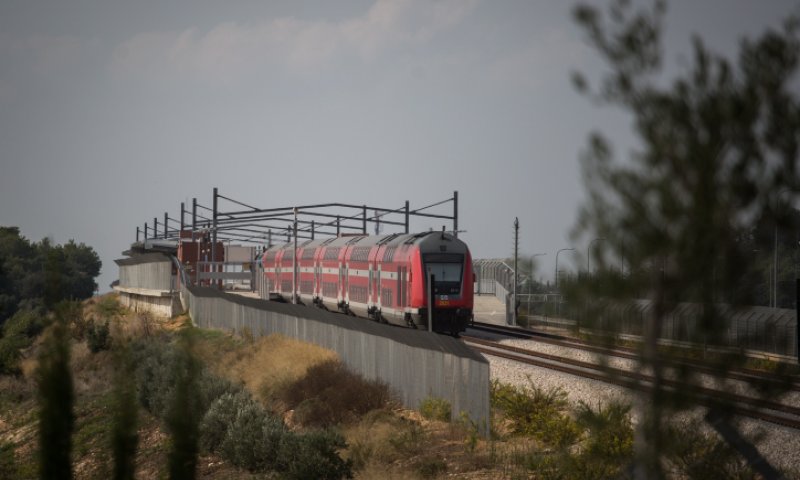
pixel 381 277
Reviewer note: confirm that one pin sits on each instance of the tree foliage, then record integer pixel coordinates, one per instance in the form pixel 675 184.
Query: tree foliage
pixel 56 398
pixel 42 273
pixel 716 157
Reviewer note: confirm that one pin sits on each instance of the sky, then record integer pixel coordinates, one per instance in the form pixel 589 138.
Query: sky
pixel 113 112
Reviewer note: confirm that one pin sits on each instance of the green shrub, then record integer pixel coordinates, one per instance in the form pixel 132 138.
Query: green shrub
pixel 436 409
pixel 329 394
pixel 536 412
pixel 28 323
pixel 219 417
pixel 10 353
pixel 108 307
pixel 98 337
pixel 252 439
pixel 154 359
pixel 17 334
pixel 242 432
pixel 7 467
pixel 314 455
pixel 696 454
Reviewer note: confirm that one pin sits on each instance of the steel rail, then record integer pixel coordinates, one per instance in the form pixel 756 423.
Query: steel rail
pixel 744 375
pixel 746 406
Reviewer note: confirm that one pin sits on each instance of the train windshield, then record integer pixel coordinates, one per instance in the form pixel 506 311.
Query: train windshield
pixel 447 272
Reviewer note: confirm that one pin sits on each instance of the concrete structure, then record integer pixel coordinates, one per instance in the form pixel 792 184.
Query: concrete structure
pixel 147 284
pixel 415 364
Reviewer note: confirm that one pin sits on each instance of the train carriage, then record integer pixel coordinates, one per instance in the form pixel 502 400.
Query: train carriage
pixel 381 277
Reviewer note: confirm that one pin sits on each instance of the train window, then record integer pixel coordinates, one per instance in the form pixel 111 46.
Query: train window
pixel 447 270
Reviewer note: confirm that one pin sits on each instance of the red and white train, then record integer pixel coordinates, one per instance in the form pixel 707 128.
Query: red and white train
pixel 381 277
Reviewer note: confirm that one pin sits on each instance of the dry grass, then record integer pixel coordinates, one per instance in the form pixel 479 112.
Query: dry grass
pixel 266 366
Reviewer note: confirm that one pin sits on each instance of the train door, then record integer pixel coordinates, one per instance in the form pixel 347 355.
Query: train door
pixel 370 288
pixel 317 274
pixel 346 284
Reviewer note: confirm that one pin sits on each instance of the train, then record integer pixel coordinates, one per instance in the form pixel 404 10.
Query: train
pixel 382 277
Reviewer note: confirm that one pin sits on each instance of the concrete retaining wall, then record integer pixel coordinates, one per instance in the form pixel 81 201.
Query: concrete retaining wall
pixel 152 271
pixel 415 364
pixel 157 303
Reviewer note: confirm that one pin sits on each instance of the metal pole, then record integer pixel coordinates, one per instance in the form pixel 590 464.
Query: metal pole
pixel 155 227
pixel 214 234
pixel 516 278
pixel 166 222
pixel 431 301
pixel 269 238
pixel 562 250
pixel 337 226
pixel 455 213
pixel 294 261
pixel 145 230
pixel 183 220
pixel 137 234
pixel 775 271
pixel 364 220
pixel 312 229
pixel 406 216
pixel 214 229
pixel 194 216
pixel 589 254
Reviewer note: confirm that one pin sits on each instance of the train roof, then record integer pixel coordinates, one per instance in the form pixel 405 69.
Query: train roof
pixel 395 239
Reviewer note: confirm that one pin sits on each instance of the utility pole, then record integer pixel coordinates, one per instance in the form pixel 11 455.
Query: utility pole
pixel 516 278
pixel 294 260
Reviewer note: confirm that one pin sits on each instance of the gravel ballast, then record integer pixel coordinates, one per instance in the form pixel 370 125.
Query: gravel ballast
pixel 780 445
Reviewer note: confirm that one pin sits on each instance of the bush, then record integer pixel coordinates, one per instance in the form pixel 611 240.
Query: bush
pixel 313 455
pixel 10 354
pixel 536 412
pixel 436 409
pixel 252 437
pixel 700 455
pixel 329 394
pixel 7 467
pixel 242 432
pixel 27 323
pixel 18 334
pixel 108 306
pixel 98 337
pixel 154 360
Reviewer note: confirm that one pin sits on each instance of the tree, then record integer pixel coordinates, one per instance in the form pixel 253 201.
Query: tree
pixel 124 437
pixel 185 412
pixel 718 150
pixel 35 274
pixel 56 397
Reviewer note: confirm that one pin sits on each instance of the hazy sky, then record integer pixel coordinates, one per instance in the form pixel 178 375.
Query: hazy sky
pixel 112 112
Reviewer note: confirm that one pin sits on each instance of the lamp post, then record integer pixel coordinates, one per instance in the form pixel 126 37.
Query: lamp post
pixel 562 250
pixel 589 254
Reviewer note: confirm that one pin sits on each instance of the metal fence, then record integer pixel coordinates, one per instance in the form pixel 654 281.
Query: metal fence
pixel 228 275
pixel 752 328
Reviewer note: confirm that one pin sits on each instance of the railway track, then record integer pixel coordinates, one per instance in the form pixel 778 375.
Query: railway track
pixel 745 375
pixel 765 410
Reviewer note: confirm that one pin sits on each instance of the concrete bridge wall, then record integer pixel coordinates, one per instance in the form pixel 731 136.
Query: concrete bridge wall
pixel 415 364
